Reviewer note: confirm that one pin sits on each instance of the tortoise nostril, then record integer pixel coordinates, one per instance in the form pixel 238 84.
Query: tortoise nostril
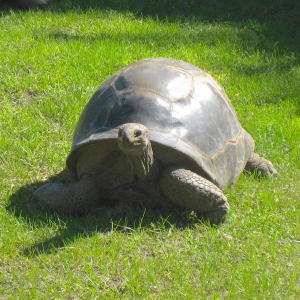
pixel 137 133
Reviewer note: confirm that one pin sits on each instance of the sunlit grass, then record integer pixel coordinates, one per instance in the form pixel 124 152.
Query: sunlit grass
pixel 52 61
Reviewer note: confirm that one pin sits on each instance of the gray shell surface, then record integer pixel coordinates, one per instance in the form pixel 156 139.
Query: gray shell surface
pixel 191 120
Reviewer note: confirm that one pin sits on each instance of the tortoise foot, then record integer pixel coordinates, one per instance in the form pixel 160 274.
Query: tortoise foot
pixel 191 191
pixel 75 198
pixel 260 166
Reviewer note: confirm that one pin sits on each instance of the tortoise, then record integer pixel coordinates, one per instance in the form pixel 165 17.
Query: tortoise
pixel 158 131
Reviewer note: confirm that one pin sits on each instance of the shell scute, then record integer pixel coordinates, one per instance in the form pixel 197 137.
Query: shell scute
pixel 195 127
pixel 167 82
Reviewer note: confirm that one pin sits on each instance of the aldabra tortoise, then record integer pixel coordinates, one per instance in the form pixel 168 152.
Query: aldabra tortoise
pixel 159 130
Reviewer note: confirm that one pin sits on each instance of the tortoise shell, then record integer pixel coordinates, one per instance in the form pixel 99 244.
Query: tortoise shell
pixel 190 118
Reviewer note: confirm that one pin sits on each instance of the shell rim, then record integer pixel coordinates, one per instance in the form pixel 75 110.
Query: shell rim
pixel 158 138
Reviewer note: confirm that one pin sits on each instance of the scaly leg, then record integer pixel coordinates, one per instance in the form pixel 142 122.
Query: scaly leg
pixel 74 198
pixel 191 191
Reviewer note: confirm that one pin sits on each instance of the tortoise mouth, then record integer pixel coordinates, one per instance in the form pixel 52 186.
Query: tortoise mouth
pixel 133 138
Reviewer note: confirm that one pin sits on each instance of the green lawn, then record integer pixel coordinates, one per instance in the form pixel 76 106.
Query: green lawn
pixel 52 61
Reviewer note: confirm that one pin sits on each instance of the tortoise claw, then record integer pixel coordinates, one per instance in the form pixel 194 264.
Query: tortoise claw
pixel 260 166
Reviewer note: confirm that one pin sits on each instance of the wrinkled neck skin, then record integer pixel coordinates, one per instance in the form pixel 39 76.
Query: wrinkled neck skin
pixel 135 142
pixel 141 164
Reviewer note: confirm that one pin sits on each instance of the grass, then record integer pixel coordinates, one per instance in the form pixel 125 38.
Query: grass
pixel 51 63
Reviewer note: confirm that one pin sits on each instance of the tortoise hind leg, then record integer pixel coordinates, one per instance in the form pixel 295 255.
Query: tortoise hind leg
pixel 260 165
pixel 191 191
pixel 74 198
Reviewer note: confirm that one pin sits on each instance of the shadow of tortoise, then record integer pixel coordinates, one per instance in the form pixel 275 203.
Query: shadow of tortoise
pixel 122 217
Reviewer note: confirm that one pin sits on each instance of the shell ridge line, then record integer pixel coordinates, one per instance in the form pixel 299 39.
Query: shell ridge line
pixel 212 119
pixel 117 75
pixel 189 93
pixel 193 147
pixel 107 115
pixel 139 89
pixel 222 91
pixel 228 142
pixel 180 69
pixel 233 120
pixel 200 153
pixel 171 116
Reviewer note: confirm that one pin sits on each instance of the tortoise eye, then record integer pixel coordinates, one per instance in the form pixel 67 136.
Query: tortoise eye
pixel 137 133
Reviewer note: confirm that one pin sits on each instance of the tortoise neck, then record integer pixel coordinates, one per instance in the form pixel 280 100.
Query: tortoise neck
pixel 134 141
pixel 141 165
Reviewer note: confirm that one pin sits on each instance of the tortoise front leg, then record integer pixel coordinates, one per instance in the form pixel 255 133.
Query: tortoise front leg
pixel 74 198
pixel 191 191
pixel 260 165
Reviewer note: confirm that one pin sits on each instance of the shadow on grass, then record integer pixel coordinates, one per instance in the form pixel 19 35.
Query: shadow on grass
pixel 123 218
pixel 279 19
pixel 22 5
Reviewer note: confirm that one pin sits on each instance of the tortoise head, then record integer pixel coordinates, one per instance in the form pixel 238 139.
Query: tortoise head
pixel 134 141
